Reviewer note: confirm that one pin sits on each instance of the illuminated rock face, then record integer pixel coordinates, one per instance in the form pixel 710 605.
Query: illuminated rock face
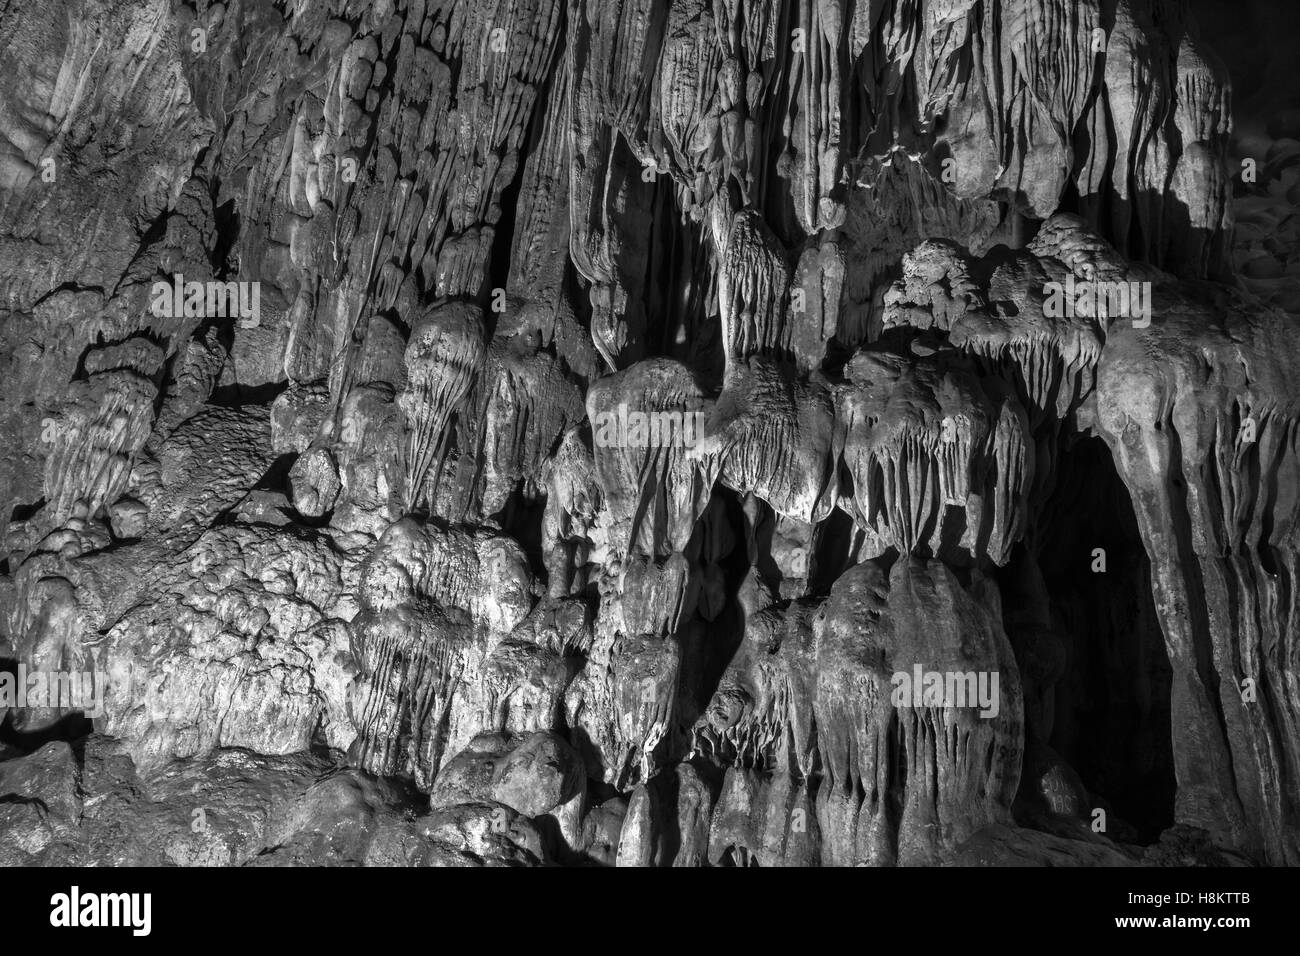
pixel 645 432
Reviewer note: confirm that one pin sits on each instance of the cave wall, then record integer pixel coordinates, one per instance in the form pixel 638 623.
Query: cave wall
pixel 526 431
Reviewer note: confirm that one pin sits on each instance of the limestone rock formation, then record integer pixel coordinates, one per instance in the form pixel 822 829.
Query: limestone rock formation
pixel 648 433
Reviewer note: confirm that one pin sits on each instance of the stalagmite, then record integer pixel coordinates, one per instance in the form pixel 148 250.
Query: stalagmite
pixel 446 351
pixel 649 432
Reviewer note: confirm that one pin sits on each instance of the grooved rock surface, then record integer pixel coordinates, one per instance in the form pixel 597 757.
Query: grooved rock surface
pixel 648 433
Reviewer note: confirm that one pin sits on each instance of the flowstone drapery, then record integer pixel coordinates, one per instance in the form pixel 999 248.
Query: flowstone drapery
pixel 646 432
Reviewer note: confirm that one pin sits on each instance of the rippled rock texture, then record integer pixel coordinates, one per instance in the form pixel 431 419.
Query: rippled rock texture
pixel 647 432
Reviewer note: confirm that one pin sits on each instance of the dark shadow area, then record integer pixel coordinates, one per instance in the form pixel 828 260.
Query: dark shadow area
pixel 233 396
pixel 1109 713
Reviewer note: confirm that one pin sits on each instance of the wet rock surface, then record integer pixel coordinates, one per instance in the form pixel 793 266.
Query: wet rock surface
pixel 647 433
